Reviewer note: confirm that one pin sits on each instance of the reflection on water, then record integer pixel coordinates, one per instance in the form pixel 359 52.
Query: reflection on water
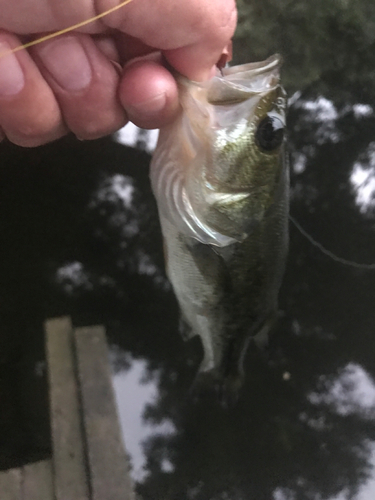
pixel 363 179
pixel 71 277
pixel 133 391
pixel 130 135
pixel 351 391
pixel 81 237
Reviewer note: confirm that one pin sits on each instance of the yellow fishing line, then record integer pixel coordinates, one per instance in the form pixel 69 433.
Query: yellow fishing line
pixel 66 30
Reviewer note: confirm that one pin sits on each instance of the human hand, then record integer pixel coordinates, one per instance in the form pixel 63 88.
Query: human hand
pixel 73 82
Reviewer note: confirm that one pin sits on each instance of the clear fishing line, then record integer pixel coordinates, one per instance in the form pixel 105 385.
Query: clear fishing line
pixel 327 252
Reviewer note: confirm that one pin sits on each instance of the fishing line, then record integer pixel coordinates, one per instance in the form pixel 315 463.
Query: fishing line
pixel 65 30
pixel 327 252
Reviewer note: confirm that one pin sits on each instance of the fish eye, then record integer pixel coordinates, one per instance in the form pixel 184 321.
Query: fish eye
pixel 270 133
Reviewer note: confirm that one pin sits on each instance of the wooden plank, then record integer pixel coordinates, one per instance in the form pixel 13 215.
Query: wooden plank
pixel 108 463
pixel 10 484
pixel 69 468
pixel 37 481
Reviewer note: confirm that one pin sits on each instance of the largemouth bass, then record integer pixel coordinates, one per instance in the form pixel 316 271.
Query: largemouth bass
pixel 221 183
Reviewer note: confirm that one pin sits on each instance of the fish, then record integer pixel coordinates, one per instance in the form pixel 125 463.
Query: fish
pixel 221 182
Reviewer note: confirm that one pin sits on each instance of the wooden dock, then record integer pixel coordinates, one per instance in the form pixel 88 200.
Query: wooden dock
pixel 89 460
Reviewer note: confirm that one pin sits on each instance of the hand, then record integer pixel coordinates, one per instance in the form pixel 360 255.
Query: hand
pixel 75 83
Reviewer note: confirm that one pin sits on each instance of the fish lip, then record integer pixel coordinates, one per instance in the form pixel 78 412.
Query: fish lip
pixel 255 68
pixel 272 63
pixel 232 85
pixel 239 83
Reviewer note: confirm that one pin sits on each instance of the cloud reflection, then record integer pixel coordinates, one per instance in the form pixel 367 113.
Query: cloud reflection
pixel 134 393
pixel 283 494
pixel 114 201
pixel 363 180
pixel 324 114
pixel 352 391
pixel 130 135
pixel 72 277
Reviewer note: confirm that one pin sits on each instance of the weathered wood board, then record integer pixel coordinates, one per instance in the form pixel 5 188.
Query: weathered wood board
pixel 69 464
pixel 89 460
pixel 37 481
pixel 31 482
pixel 10 484
pixel 108 463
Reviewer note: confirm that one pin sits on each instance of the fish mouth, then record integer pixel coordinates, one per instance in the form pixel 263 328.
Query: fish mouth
pixel 240 83
pixel 236 83
pixel 256 68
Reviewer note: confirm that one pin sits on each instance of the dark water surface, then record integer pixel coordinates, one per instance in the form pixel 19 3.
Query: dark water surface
pixel 80 236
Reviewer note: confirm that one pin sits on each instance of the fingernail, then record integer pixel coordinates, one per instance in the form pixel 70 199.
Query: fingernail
pixel 67 62
pixel 12 79
pixel 149 107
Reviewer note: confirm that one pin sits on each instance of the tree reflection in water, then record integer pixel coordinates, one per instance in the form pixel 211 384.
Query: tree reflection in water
pixel 82 238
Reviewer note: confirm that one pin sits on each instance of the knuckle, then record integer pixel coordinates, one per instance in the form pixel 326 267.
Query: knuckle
pixel 99 128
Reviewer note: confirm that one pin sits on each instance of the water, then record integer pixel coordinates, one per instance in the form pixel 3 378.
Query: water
pixel 80 236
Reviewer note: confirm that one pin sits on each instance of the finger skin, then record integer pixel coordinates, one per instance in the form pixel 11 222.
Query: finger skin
pixel 107 45
pixel 38 16
pixel 31 116
pixel 93 110
pixel 149 93
pixel 190 35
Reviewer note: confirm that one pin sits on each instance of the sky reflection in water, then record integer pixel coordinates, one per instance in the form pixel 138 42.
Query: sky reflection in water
pixel 82 238
pixel 89 246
